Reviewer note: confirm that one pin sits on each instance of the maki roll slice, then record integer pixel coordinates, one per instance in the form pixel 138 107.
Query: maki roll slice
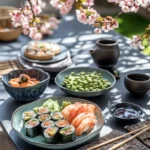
pixel 51 135
pixel 56 116
pixel 44 117
pixel 67 134
pixel 32 127
pixel 47 124
pixel 61 123
pixel 41 111
pixel 27 115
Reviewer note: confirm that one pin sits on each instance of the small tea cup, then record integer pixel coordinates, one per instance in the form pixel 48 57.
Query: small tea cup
pixel 137 83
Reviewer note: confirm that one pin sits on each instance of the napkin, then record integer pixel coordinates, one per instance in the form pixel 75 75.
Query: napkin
pixel 53 67
pixel 5 141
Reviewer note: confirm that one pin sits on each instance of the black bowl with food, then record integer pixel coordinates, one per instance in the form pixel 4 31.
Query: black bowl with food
pixel 26 84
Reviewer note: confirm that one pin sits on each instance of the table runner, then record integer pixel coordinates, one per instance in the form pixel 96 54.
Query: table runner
pixel 132 145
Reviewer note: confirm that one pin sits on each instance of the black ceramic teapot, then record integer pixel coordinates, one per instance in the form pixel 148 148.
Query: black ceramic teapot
pixel 106 54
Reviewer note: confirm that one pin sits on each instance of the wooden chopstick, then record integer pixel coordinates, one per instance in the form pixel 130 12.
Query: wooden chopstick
pixel 117 138
pixel 127 140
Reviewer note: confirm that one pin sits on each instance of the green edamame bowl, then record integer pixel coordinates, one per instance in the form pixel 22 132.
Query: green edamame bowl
pixel 105 75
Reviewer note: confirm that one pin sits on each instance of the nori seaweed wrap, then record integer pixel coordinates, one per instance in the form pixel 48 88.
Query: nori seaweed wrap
pixel 44 117
pixel 67 134
pixel 61 123
pixel 47 124
pixel 56 116
pixel 27 115
pixel 51 135
pixel 32 127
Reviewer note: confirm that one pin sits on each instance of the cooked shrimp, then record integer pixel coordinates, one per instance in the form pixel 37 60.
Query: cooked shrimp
pixel 14 84
pixel 23 81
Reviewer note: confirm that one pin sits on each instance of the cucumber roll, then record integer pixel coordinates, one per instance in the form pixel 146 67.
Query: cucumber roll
pixel 67 134
pixel 41 111
pixel 51 135
pixel 61 123
pixel 44 117
pixel 47 124
pixel 56 116
pixel 32 127
pixel 27 115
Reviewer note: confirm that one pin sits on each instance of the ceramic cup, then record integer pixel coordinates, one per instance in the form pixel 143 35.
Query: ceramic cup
pixel 106 54
pixel 137 83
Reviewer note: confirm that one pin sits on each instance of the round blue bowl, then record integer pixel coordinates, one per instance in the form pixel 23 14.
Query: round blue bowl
pixel 105 74
pixel 29 93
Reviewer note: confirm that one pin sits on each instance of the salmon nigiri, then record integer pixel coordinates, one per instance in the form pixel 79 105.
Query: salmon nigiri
pixel 86 126
pixel 89 108
pixel 67 110
pixel 77 121
pixel 73 113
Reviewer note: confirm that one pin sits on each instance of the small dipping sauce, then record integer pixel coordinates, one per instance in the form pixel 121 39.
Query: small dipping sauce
pixel 126 113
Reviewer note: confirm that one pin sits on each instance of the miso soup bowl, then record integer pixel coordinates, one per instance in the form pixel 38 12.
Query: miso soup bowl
pixel 137 83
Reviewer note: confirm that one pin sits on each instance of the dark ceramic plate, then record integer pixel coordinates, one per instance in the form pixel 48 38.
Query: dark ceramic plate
pixel 17 124
pixel 105 74
pixel 62 55
pixel 27 93
pixel 131 106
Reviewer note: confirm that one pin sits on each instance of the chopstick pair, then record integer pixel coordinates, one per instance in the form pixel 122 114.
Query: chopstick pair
pixel 144 129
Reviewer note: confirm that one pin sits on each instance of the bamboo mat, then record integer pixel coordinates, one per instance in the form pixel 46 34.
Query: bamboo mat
pixel 7 66
pixel 132 145
pixel 145 137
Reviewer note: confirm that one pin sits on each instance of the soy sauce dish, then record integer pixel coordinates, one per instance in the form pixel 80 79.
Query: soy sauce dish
pixel 126 111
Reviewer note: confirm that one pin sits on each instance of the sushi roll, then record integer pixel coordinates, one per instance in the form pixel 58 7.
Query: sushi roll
pixel 27 115
pixel 51 135
pixel 56 116
pixel 41 111
pixel 61 123
pixel 44 117
pixel 67 134
pixel 47 124
pixel 32 127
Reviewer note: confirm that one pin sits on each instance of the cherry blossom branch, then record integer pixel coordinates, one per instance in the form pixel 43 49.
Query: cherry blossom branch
pixel 84 11
pixel 26 17
pixel 137 41
pixel 118 14
pixel 34 17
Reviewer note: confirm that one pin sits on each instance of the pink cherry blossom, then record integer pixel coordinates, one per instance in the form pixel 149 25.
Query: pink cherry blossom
pixel 97 31
pixel 131 5
pixel 87 16
pixel 63 6
pixel 109 24
pixel 16 18
pixel 136 42
pixel 88 3
pixel 37 36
